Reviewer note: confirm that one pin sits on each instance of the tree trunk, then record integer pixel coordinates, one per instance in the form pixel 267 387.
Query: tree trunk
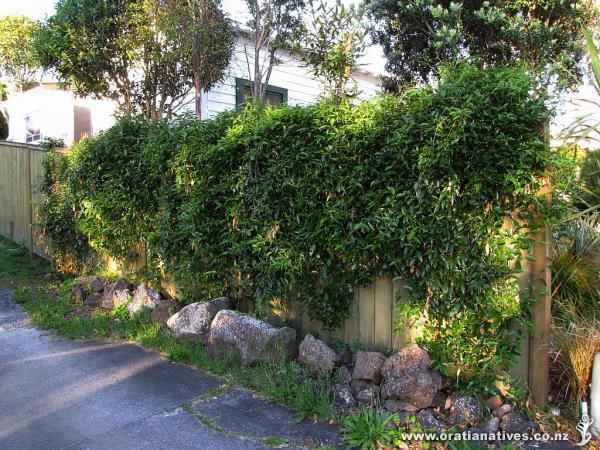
pixel 198 94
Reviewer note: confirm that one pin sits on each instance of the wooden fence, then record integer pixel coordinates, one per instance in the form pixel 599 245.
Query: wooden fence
pixel 375 320
pixel 20 170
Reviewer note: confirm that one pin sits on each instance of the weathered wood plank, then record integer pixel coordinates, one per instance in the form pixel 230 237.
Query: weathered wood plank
pixel 366 319
pixel 383 314
pixel 541 280
pixel 351 329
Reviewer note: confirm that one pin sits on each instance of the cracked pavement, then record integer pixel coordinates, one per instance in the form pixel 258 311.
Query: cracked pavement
pixel 58 393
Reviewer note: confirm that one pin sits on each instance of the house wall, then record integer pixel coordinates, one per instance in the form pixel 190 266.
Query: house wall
pixel 55 110
pixel 291 74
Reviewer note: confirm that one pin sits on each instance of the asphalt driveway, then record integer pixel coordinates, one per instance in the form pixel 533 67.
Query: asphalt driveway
pixel 61 394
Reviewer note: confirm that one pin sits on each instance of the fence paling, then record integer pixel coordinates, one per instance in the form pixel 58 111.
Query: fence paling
pixel 375 320
pixel 20 168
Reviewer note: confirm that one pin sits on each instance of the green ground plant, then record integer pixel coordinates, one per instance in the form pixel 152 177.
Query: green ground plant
pixel 302 203
pixel 368 429
pixel 50 306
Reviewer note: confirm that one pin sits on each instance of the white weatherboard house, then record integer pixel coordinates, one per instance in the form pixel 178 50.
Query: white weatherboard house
pixel 290 82
pixel 47 111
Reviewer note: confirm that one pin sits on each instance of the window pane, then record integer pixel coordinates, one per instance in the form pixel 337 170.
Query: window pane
pixel 271 98
pixel 33 131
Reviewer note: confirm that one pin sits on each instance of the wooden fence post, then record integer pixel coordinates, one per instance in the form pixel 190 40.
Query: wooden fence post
pixel 541 316
pixel 30 190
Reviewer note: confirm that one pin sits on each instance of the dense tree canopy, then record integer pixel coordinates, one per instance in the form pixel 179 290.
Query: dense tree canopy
pixel 17 58
pixel 207 36
pixel 331 43
pixel 273 25
pixel 418 35
pixel 132 51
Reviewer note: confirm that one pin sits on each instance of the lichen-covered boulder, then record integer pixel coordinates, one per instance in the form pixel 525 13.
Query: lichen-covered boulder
pixel 193 321
pixel 368 395
pixel 494 402
pixel 465 411
pixel 95 299
pixel 120 297
pixel 344 376
pixel 398 406
pixel 430 420
pixel 409 359
pixel 342 396
pixel 417 388
pixel 251 339
pixel 118 293
pixel 163 312
pixel 85 286
pixel 143 298
pixel 515 422
pixel 317 356
pixel 368 366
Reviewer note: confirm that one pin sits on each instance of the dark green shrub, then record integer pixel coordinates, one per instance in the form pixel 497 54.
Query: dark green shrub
pixel 3 127
pixel 305 202
pixel 589 181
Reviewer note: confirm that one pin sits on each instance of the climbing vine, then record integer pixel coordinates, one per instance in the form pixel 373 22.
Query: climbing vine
pixel 304 202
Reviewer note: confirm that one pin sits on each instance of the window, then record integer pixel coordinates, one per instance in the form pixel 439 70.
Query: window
pixel 275 95
pixel 33 130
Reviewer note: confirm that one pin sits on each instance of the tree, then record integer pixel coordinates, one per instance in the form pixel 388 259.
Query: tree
pixel 203 27
pixel 273 25
pixel 17 58
pixel 3 126
pixel 125 50
pixel 585 128
pixel 331 44
pixel 418 35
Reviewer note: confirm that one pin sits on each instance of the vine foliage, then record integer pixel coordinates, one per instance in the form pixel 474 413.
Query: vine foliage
pixel 305 202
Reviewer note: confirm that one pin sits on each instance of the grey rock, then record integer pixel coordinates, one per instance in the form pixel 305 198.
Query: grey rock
pixel 193 321
pixel 491 425
pixel 440 401
pixel 94 299
pixel 114 297
pixel 398 406
pixel 120 297
pixel 344 355
pixel 359 385
pixel 409 359
pixel 465 411
pixel 342 396
pixel 503 410
pixel 368 395
pixel 417 388
pixel 429 420
pixel 87 285
pixel 96 284
pixel 344 376
pixel 317 356
pixel 78 292
pixel 368 366
pixel 143 298
pixel 121 284
pixel 515 422
pixel 163 311
pixel 251 339
pixel 494 402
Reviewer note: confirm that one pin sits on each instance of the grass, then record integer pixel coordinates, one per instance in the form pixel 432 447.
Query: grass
pixel 17 268
pixel 47 299
pixel 574 343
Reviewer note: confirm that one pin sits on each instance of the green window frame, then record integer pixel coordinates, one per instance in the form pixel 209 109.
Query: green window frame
pixel 242 84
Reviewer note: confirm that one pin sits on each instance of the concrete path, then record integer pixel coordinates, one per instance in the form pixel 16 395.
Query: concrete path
pixel 62 394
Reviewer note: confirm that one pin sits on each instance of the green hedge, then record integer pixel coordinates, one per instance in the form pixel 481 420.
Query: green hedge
pixel 304 202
